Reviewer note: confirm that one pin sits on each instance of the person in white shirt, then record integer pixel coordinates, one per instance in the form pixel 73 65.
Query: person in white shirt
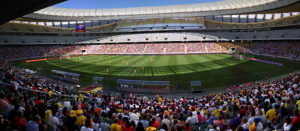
pixel 244 123
pixel 166 121
pixel 259 125
pixel 134 117
pixel 251 119
pixel 86 126
pixel 53 121
pixel 191 120
pixel 287 124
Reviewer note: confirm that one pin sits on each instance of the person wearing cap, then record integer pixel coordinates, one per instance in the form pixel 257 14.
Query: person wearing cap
pixel 256 126
pixel 73 113
pixel 47 115
pixel 80 118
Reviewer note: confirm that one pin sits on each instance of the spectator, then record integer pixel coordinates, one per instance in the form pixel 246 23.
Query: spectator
pixel 115 126
pixel 166 121
pixel 140 127
pixel 53 121
pixel 33 125
pixel 164 127
pixel 3 102
pixel 151 127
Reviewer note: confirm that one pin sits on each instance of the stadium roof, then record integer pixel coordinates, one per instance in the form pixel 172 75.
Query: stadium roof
pixel 203 9
pixel 16 8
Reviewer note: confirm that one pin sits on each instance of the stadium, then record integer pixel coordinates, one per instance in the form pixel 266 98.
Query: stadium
pixel 218 65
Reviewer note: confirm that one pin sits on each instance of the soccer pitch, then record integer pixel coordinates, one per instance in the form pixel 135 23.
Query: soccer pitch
pixel 213 70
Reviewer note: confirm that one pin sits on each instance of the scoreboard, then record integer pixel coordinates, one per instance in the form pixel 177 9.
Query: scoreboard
pixel 80 28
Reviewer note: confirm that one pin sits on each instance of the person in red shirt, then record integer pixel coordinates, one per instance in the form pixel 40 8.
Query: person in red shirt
pixel 38 102
pixel 156 124
pixel 200 120
pixel 82 105
pixel 296 121
pixel 243 111
pixel 128 127
pixel 187 127
pixel 120 121
pixel 19 121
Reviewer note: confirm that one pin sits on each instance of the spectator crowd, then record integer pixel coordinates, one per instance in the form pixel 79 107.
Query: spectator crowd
pixel 265 106
pixel 289 49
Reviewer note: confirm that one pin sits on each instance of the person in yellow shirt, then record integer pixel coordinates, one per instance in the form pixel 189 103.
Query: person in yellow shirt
pixel 217 112
pixel 115 126
pixel 47 115
pixel 73 113
pixel 159 100
pixel 50 93
pixel 151 128
pixel 80 97
pixel 80 119
pixel 298 103
pixel 58 105
pixel 205 111
pixel 271 114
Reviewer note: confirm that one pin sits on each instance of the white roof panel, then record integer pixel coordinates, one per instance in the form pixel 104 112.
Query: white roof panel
pixel 233 6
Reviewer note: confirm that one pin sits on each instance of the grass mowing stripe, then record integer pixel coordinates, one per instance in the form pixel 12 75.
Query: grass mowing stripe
pixel 190 59
pixel 172 60
pixel 156 61
pixel 213 69
pixel 129 69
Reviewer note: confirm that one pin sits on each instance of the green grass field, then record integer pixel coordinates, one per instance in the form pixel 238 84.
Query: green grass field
pixel 213 70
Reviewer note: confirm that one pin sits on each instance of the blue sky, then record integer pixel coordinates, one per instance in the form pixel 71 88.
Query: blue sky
pixel 104 4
